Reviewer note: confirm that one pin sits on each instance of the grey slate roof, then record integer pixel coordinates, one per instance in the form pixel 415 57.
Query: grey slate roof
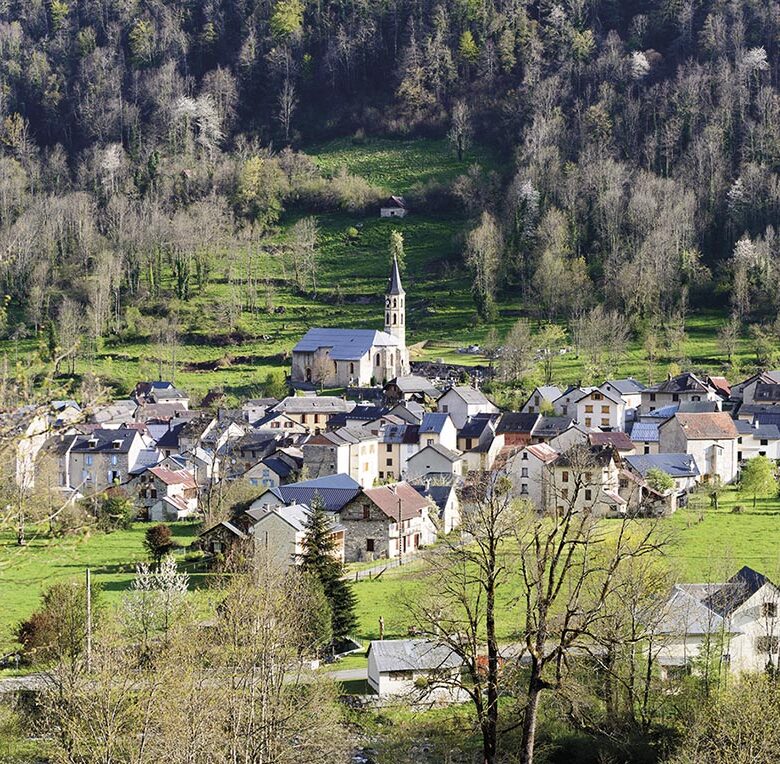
pixel 550 426
pixel 767 418
pixel 103 440
pixel 676 465
pixel 469 395
pixel 515 422
pixel 646 432
pixel 401 433
pixel 412 655
pixel 475 425
pixel 682 383
pixel 433 422
pixel 767 392
pixel 626 386
pixel 762 432
pixel 344 344
pixel 306 404
pixel 698 407
pixel 394 287
pixel 334 490
pixel 665 412
pixel 451 456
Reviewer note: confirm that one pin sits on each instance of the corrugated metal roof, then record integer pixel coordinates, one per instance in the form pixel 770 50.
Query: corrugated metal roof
pixel 644 432
pixel 412 655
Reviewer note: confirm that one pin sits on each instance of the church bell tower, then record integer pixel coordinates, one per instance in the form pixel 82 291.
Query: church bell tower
pixel 395 306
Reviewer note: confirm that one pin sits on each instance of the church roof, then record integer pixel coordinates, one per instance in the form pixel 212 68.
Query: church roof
pixel 344 344
pixel 395 279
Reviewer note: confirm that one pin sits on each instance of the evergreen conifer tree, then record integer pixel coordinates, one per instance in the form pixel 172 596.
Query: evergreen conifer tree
pixel 318 559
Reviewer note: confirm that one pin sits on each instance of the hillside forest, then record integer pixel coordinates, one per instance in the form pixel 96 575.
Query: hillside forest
pixel 151 150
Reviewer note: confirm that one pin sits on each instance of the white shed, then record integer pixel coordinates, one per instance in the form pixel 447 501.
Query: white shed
pixel 394 207
pixel 414 667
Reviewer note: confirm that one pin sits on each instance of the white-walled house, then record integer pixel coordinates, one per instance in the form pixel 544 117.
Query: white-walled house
pixel 528 471
pixel 435 460
pixel 418 668
pixel 736 620
pixel 710 438
pixel 682 468
pixel 684 387
pixel 438 427
pixel 462 402
pixel 601 409
pixel 756 439
pixel 630 391
pixel 564 405
pixel 540 398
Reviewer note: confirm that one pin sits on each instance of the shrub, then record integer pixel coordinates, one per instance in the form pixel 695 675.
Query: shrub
pixel 158 541
pixel 116 512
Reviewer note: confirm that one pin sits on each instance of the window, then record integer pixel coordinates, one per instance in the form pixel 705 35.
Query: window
pixel 588 494
pixel 597 396
pixel 537 402
pixel 764 442
pixel 768 645
pixel 525 456
pixel 216 547
pixel 564 409
pixel 351 368
pixel 388 447
pixel 769 609
pixel 389 462
pixel 605 409
pixel 604 422
pixel 114 460
pixel 589 477
pixel 675 397
pixel 369 545
pixel 588 408
pixel 445 408
pixel 565 493
pixel 565 476
pixel 677 673
pixel 400 675
pixel 652 398
pixel 587 421
pixel 88 460
pixel 468 444
pixel 429 441
pixel 523 489
pixel 366 513
pixel 647 449
pixel 524 472
pixel 376 359
pixel 623 483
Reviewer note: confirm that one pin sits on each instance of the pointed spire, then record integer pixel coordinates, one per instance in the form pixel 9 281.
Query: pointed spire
pixel 395 279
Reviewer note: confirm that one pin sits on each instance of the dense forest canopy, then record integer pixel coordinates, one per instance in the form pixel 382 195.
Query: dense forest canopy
pixel 642 143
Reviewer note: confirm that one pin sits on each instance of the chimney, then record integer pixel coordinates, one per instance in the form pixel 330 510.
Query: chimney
pixel 669 376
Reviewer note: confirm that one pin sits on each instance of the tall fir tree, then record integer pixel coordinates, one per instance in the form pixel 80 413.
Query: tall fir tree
pixel 318 558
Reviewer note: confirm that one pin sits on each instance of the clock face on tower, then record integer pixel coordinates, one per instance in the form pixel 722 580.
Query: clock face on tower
pixel 387 302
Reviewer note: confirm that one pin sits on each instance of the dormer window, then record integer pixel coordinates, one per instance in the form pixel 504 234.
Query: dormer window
pixel 92 442
pixel 116 444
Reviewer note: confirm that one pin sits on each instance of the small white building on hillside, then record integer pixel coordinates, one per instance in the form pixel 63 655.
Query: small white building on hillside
pixel 418 668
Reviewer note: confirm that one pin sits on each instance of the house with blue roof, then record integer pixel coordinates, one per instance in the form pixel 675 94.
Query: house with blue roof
pixel 438 427
pixel 357 357
pixel 757 439
pixel 645 437
pixel 682 468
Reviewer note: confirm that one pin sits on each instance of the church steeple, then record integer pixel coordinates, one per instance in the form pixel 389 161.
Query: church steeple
pixel 395 305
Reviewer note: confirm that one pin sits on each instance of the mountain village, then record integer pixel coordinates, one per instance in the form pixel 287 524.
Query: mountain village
pixel 393 455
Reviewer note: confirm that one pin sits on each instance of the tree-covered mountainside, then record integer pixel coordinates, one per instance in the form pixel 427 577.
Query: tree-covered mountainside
pixel 153 151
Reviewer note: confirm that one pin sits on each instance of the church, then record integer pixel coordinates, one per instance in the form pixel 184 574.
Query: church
pixel 357 357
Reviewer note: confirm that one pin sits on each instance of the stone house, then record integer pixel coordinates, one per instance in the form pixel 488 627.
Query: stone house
pixel 157 484
pixel 353 451
pixel 682 468
pixel 529 471
pixel 387 521
pixel 541 398
pixel 644 436
pixel 103 458
pixel 313 412
pixel 686 387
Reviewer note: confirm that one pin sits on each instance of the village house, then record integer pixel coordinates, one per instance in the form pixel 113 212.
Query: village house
pixel 279 534
pixel 462 402
pixel 574 435
pixel 682 468
pixel 710 438
pixel 598 408
pixel 29 426
pixel 411 387
pixel 438 428
pixel 734 624
pixel 684 387
pixel 256 408
pixel 445 496
pixel 541 400
pixel 616 438
pixel 313 412
pixel 644 436
pixel 629 390
pixel 164 494
pixel 414 668
pixel 353 451
pixel 387 522
pixel 564 405
pixel 114 414
pixel 357 357
pixel 479 442
pixel 549 427
pixel 103 458
pixel 745 392
pixel 435 460
pixel 756 439
pixel 271 472
pixel 275 423
pixel 334 491
pixel 586 477
pixel 529 472
pixel 516 428
pixel 398 443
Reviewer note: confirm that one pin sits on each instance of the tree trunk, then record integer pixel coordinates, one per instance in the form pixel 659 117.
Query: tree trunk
pixel 490 722
pixel 529 721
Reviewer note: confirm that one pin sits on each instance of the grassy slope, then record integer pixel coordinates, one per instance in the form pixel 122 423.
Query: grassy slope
pixel 26 571
pixel 440 305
